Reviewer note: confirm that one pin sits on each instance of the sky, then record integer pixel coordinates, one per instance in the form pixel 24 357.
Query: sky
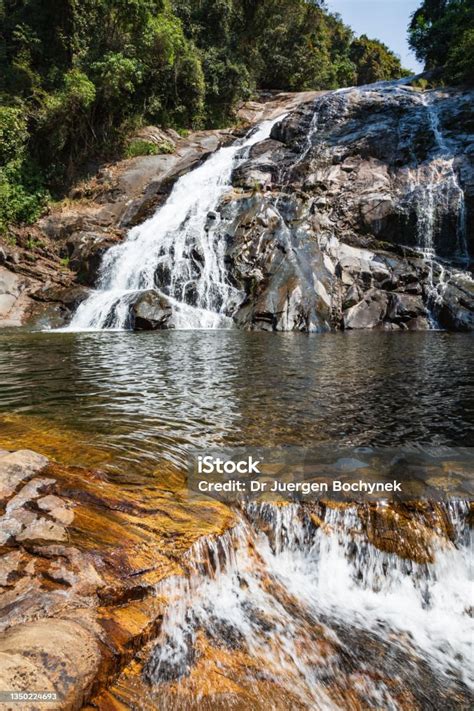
pixel 386 20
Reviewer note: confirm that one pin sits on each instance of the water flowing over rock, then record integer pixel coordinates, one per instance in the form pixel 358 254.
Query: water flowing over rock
pixel 290 608
pixel 180 250
pixel 353 211
pixel 364 216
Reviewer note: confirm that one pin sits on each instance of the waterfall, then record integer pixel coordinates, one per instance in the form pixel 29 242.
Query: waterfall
pixel 180 252
pixel 297 603
pixel 436 186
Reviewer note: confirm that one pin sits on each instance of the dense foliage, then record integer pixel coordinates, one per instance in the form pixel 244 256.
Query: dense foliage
pixel 442 34
pixel 76 77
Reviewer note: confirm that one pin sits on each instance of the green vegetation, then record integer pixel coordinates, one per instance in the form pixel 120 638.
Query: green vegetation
pixel 139 147
pixel 442 34
pixel 374 61
pixel 76 78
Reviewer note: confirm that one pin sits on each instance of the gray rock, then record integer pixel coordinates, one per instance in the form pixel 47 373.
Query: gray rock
pixel 404 307
pixel 16 467
pixel 151 312
pixel 369 313
pixel 455 308
pixel 15 303
pixel 337 207
pixel 86 250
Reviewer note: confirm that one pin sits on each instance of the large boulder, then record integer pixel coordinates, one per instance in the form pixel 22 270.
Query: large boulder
pixel 15 304
pixel 368 313
pixel 404 307
pixel 151 311
pixel 455 306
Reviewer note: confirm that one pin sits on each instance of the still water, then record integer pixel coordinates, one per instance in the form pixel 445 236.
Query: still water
pixel 142 398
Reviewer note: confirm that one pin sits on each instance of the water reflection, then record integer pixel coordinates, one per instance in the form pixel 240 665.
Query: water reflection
pixel 148 396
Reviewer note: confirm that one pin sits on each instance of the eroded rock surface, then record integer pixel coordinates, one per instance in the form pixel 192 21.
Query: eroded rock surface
pixel 83 561
pixel 341 218
pixel 79 561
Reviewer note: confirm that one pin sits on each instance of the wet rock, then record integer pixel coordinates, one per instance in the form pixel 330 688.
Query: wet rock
pixel 79 566
pixel 151 311
pixel 408 532
pixel 405 307
pixel 348 180
pixel 69 297
pixel 368 313
pixel 455 305
pixel 86 250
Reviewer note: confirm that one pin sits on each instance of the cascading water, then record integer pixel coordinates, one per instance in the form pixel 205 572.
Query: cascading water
pixel 435 188
pixel 439 187
pixel 179 251
pixel 302 612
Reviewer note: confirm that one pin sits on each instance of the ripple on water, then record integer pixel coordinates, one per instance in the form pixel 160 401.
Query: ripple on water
pixel 138 398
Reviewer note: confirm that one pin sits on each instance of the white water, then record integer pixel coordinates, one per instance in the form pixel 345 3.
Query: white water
pixel 180 252
pixel 276 588
pixel 437 183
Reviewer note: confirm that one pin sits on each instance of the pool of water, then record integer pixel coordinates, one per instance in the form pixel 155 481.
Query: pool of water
pixel 138 399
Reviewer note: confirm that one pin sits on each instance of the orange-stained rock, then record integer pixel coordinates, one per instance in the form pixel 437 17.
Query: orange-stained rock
pixel 80 557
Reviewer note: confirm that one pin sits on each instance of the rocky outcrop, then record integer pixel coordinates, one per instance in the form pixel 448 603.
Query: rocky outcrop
pixel 66 246
pixel 15 304
pixel 339 220
pixel 357 212
pixel 79 561
pixel 151 312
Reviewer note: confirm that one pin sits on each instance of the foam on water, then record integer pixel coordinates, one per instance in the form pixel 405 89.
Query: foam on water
pixel 180 252
pixel 271 582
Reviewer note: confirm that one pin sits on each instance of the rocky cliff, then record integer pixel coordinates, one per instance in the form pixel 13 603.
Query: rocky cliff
pixel 358 213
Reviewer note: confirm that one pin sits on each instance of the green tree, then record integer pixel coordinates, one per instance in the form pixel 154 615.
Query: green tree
pixel 373 61
pixel 77 76
pixel 441 33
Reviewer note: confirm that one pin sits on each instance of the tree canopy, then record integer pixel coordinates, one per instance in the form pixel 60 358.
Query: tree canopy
pixel 442 34
pixel 76 77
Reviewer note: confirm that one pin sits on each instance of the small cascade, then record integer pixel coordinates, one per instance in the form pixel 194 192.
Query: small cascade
pixel 440 187
pixel 298 606
pixel 180 252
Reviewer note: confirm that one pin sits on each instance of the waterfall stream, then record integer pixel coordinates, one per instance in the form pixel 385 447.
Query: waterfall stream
pixel 436 186
pixel 179 251
pixel 298 605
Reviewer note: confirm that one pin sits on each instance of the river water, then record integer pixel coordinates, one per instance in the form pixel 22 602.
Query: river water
pixel 142 398
pixel 277 611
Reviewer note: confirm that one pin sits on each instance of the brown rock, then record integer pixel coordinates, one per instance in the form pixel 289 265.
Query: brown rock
pixel 57 509
pixel 42 529
pixel 57 655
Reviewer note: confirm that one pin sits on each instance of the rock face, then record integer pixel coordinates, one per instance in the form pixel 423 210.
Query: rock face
pixel 79 561
pixel 15 303
pixel 151 312
pixel 340 218
pixel 357 212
